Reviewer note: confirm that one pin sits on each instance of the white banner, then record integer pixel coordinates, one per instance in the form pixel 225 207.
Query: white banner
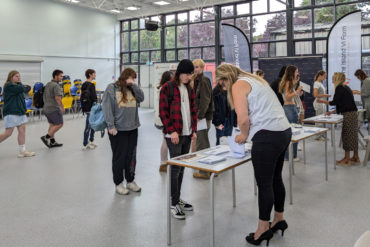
pixel 344 51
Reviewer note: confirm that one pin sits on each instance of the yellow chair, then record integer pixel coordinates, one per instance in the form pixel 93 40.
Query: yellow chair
pixel 67 103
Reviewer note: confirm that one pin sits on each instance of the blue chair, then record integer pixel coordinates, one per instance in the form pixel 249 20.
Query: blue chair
pixel 28 102
pixel 1 89
pixel 74 90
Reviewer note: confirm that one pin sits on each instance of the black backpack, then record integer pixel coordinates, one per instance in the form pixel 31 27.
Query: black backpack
pixel 38 98
pixel 85 98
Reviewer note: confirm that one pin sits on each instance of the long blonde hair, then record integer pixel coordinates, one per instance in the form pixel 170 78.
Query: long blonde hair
pixel 288 79
pixel 231 74
pixel 339 78
pixel 10 77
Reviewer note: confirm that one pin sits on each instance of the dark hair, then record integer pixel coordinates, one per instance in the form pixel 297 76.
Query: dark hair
pixel 121 82
pixel 166 76
pixel 320 73
pixel 57 72
pixel 282 72
pixel 260 72
pixel 89 72
pixel 361 74
pixel 288 78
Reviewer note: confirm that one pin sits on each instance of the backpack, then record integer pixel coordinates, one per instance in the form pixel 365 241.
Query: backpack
pixel 38 98
pixel 170 99
pixel 96 119
pixel 85 98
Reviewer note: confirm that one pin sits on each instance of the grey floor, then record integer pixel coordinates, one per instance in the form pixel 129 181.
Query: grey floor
pixel 65 197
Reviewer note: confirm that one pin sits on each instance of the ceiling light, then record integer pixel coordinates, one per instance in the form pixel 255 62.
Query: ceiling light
pixel 132 8
pixel 115 11
pixel 72 1
pixel 161 3
pixel 183 0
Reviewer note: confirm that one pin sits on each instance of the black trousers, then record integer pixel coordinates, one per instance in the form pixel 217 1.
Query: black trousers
pixel 268 159
pixel 177 172
pixel 124 155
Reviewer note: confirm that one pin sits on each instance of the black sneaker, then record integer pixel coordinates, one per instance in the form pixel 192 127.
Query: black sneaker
pixel 46 141
pixel 185 206
pixel 55 144
pixel 177 212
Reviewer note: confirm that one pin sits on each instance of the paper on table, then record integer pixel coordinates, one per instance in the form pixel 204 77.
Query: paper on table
pixel 210 160
pixel 305 87
pixel 221 149
pixel 202 124
pixel 236 147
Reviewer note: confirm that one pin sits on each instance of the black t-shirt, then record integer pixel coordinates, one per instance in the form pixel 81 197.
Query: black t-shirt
pixel 343 99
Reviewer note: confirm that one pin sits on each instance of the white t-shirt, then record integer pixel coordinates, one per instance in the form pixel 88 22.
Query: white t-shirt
pixel 185 110
pixel 265 110
pixel 320 90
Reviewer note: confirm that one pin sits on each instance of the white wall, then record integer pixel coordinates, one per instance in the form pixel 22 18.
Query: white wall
pixel 66 37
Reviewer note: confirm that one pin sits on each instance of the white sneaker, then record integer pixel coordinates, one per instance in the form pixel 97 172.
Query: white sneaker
pixel 177 212
pixel 26 154
pixel 120 189
pixel 84 148
pixel 92 145
pixel 296 159
pixel 133 186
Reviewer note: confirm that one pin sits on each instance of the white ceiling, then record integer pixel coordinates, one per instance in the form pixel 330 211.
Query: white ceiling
pixel 147 7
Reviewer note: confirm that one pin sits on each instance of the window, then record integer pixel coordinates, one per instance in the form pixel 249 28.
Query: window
pixel 259 6
pixel 182 54
pixel 170 55
pixel 195 53
pixel 209 53
pixel 182 36
pixel 170 37
pixel 227 11
pixel 202 34
pixel 194 16
pixel 182 18
pixel 134 41
pixel 269 27
pixel 302 24
pixel 277 6
pixel 242 9
pixel 208 14
pixel 303 48
pixel 150 40
pixel 170 19
pixel 324 20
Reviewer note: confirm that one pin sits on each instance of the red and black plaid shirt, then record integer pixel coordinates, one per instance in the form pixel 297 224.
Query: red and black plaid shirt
pixel 171 114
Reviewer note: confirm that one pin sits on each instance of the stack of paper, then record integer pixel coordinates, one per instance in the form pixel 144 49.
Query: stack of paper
pixel 296 131
pixel 210 160
pixel 221 149
pixel 311 130
pixel 237 150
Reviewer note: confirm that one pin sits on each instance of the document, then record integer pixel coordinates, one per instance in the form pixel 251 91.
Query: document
pixel 305 87
pixel 189 157
pixel 210 160
pixel 202 124
pixel 236 147
pixel 221 149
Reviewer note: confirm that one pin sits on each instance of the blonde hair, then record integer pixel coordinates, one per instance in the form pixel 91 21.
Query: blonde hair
pixel 231 74
pixel 339 78
pixel 10 77
pixel 288 79
pixel 199 62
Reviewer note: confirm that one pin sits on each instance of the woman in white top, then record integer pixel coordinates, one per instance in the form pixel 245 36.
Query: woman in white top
pixel 320 96
pixel 262 120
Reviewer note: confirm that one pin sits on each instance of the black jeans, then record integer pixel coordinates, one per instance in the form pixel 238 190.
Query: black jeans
pixel 124 155
pixel 268 159
pixel 177 172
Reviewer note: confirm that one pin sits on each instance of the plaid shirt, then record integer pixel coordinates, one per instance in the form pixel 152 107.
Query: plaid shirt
pixel 171 114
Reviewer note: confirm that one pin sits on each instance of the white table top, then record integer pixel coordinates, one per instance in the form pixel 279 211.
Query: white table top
pixel 304 135
pixel 215 168
pixel 332 119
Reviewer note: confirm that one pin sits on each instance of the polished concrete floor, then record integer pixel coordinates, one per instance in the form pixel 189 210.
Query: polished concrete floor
pixel 65 197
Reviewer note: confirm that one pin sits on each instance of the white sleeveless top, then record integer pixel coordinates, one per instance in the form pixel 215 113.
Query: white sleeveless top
pixel 265 110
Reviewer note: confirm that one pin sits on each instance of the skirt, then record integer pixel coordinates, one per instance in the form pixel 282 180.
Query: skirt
pixel 350 131
pixel 11 121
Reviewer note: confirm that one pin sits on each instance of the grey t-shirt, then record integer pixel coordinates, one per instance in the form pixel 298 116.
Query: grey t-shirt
pixel 51 90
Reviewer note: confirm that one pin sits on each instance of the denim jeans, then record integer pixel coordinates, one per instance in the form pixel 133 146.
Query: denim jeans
pixel 226 131
pixel 291 113
pixel 88 131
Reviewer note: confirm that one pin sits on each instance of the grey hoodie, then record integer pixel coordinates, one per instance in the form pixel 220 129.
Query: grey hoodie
pixel 119 115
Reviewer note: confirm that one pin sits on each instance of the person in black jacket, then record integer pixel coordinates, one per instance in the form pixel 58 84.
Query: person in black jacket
pixel 275 85
pixel 224 119
pixel 88 98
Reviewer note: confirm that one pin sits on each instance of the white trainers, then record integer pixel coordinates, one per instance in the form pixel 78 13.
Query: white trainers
pixel 92 145
pixel 133 186
pixel 26 154
pixel 84 148
pixel 296 159
pixel 120 189
pixel 177 212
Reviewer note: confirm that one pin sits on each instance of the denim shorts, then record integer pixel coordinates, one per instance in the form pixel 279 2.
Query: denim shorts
pixel 11 121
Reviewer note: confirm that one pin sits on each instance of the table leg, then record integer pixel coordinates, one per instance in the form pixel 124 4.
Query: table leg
pixel 326 156
pixel 334 147
pixel 168 204
pixel 234 192
pixel 212 225
pixel 304 151
pixel 290 172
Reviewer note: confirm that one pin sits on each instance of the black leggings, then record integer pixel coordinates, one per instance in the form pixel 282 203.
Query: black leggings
pixel 268 159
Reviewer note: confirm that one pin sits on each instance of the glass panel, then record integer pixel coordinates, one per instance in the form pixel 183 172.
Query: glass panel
pixel 259 6
pixel 170 37
pixel 366 64
pixel 208 14
pixel 302 48
pixel 125 58
pixel 260 50
pixel 255 65
pixel 156 56
pixel 182 18
pixel 344 1
pixel 194 15
pixel 170 55
pixel 182 36
pixel 150 40
pixel 202 34
pixel 209 53
pixel 269 27
pixel 134 24
pixel 302 24
pixel 365 29
pixel 144 57
pixel 134 41
pixel 345 9
pixel 195 53
pixel 242 9
pixel 228 21
pixel 318 2
pixel 182 54
pixel 125 25
pixel 222 53
pixel 134 57
pixel 320 46
pixel 301 3
pixel 170 19
pixel 366 44
pixel 156 18
pixel 244 24
pixel 276 6
pixel 227 11
pixel 125 41
pixel 278 49
pixel 324 19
